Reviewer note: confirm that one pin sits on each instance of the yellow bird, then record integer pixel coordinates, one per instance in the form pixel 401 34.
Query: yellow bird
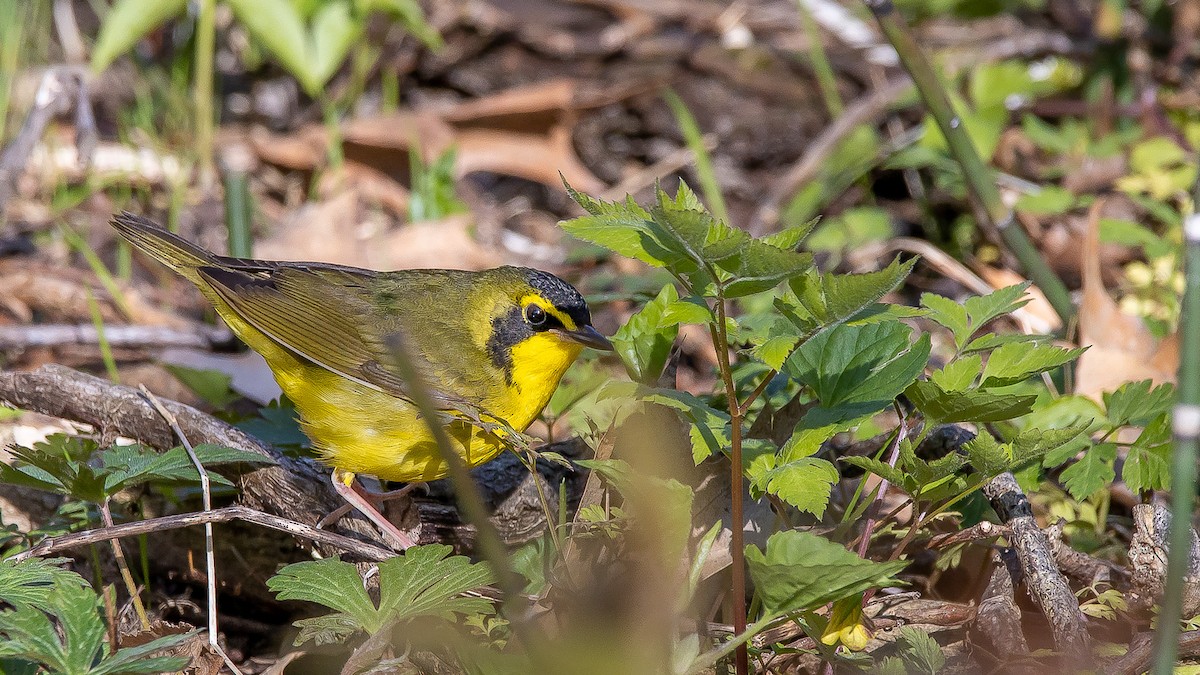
pixel 495 341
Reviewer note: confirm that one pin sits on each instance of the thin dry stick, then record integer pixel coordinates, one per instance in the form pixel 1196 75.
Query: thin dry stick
pixel 210 560
pixel 123 567
pixel 52 545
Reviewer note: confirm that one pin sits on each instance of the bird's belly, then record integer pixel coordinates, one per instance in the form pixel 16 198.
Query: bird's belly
pixel 363 430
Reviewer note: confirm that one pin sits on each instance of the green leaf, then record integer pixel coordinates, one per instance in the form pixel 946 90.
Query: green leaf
pixel 74 641
pixel 972 405
pixel 128 21
pixel 803 482
pixel 990 341
pixel 864 366
pixel 950 314
pixel 422 582
pixel 791 236
pixel 802 571
pixel 830 299
pixel 958 374
pixel 279 27
pixel 1014 363
pixel 1092 471
pixel 30 581
pixel 763 267
pixel 333 30
pixel 622 227
pixel 987 456
pixel 1148 464
pixel 1049 200
pixel 211 385
pixel 1034 444
pixel 410 14
pixel 880 468
pixel 920 652
pixel 1136 403
pixel 644 342
pixel 973 314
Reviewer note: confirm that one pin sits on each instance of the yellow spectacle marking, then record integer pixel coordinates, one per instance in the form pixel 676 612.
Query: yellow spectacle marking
pixel 549 308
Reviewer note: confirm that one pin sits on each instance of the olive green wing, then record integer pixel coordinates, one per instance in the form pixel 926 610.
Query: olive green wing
pixel 326 315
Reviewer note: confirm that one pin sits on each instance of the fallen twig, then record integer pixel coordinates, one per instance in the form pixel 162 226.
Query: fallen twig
pixel 1043 580
pixel 295 489
pixel 998 621
pixel 26 336
pixel 52 545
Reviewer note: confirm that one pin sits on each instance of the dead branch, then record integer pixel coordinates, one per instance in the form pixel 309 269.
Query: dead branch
pixel 26 336
pixel 52 545
pixel 1148 560
pixel 1081 567
pixel 294 489
pixel 1141 651
pixel 1043 580
pixel 998 622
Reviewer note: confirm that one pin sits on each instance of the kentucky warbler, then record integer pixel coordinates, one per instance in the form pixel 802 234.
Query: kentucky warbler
pixel 495 341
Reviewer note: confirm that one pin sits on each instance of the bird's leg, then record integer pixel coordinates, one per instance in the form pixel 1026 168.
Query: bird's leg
pixel 376 499
pixel 343 482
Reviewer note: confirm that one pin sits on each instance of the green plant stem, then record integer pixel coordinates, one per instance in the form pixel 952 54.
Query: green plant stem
pixel 695 142
pixel 737 541
pixel 123 566
pixel 1185 422
pixel 333 129
pixel 976 175
pixel 820 63
pixel 202 86
pixel 707 660
pixel 106 354
pixel 239 212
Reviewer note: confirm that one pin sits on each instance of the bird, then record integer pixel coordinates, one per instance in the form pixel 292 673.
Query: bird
pixel 490 345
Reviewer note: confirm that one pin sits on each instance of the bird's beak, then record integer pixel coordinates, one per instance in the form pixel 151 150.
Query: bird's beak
pixel 588 337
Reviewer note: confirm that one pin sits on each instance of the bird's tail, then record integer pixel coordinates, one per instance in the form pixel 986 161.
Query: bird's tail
pixel 164 246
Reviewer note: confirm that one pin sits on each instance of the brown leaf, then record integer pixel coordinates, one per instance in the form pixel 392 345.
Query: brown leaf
pixel 1121 347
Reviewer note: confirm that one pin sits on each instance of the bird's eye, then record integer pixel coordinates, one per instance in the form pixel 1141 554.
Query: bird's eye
pixel 536 316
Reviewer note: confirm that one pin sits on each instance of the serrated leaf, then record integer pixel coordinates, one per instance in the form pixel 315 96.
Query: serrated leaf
pixel 832 298
pixel 1092 471
pixel 127 22
pixel 990 341
pixel 984 308
pixel 987 456
pixel 644 342
pixel 762 267
pixel 972 405
pixel 802 571
pixel 791 236
pixel 1136 403
pixel 622 227
pixel 950 314
pixel 966 319
pixel 74 641
pixel 1034 443
pixel 1148 464
pixel 1014 363
pixel 958 374
pixel 920 652
pixel 30 581
pixel 865 366
pixel 880 468
pixel 804 482
pixel 422 582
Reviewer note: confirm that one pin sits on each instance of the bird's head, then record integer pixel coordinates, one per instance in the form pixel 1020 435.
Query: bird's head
pixel 540 322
